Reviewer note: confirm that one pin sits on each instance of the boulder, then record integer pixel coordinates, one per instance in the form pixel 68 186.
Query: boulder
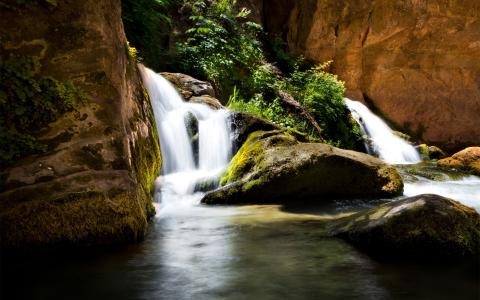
pixel 430 152
pixel 424 226
pixel 188 86
pixel 274 167
pixel 193 90
pixel 467 159
pixel 243 124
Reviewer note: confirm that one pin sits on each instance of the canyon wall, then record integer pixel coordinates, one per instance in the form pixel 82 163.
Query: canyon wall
pixel 93 183
pixel 415 62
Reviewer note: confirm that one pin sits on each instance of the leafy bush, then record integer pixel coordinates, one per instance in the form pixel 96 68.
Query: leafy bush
pixel 29 102
pixel 221 46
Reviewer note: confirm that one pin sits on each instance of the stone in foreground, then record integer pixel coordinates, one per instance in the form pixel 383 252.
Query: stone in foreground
pixel 425 226
pixel 273 167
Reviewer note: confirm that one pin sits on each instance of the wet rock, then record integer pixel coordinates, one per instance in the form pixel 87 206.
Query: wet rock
pixel 467 159
pixel 243 124
pixel 189 86
pixel 208 100
pixel 430 152
pixel 191 123
pixel 274 167
pixel 424 226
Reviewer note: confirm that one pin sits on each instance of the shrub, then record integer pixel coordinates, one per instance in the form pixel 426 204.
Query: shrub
pixel 221 46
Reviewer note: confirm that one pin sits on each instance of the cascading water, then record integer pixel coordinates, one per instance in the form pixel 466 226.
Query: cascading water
pixel 383 143
pixel 195 141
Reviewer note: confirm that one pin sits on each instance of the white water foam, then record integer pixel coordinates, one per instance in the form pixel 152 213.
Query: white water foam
pixel 465 190
pixel 182 172
pixel 383 142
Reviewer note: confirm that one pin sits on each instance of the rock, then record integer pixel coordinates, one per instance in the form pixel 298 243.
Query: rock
pixel 243 124
pixel 425 226
pixel 189 86
pixel 208 100
pixel 436 153
pixel 93 185
pixel 416 62
pixel 430 152
pixel 193 90
pixel 403 136
pixel 467 159
pixel 274 167
pixel 191 123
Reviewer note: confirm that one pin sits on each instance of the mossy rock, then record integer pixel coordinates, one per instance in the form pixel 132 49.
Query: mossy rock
pixel 273 167
pixel 424 226
pixel 430 152
pixel 467 159
pixel 243 124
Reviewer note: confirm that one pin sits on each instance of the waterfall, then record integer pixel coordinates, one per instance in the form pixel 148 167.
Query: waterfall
pixel 195 141
pixel 383 142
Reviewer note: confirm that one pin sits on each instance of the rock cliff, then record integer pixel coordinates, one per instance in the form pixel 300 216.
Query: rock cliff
pixel 93 184
pixel 415 62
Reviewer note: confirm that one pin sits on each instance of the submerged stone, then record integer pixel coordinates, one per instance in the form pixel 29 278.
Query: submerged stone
pixel 424 226
pixel 273 167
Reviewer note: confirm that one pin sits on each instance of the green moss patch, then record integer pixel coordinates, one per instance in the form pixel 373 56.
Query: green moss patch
pixel 30 102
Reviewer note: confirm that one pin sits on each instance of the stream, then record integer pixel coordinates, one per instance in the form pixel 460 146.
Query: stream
pixel 193 251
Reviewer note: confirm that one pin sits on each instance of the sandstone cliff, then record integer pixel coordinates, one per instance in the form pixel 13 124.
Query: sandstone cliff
pixel 414 61
pixel 93 185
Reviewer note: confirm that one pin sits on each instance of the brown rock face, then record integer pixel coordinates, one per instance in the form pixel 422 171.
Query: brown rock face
pixel 468 159
pixel 93 185
pixel 416 62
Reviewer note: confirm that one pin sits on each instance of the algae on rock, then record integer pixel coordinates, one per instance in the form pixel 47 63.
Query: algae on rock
pixel 274 167
pixel 93 185
pixel 424 226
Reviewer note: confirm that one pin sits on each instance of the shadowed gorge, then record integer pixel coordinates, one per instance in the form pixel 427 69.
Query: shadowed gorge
pixel 239 149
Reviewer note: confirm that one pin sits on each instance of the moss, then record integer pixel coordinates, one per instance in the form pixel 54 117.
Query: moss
pixel 29 103
pixel 86 218
pixel 132 53
pixel 18 4
pixel 147 162
pixel 248 156
pixel 426 226
pixel 251 155
pixel 393 182
pixel 91 156
pixel 424 151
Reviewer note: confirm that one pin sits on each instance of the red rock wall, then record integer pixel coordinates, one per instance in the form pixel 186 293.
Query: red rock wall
pixel 416 61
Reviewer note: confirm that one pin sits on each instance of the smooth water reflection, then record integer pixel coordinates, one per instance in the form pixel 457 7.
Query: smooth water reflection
pixel 233 253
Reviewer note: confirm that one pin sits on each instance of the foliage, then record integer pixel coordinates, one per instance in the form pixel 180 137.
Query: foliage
pixel 147 25
pixel 221 46
pixel 272 112
pixel 29 102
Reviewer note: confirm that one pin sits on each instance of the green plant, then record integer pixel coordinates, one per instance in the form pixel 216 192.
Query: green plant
pixel 147 26
pixel 221 46
pixel 29 102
